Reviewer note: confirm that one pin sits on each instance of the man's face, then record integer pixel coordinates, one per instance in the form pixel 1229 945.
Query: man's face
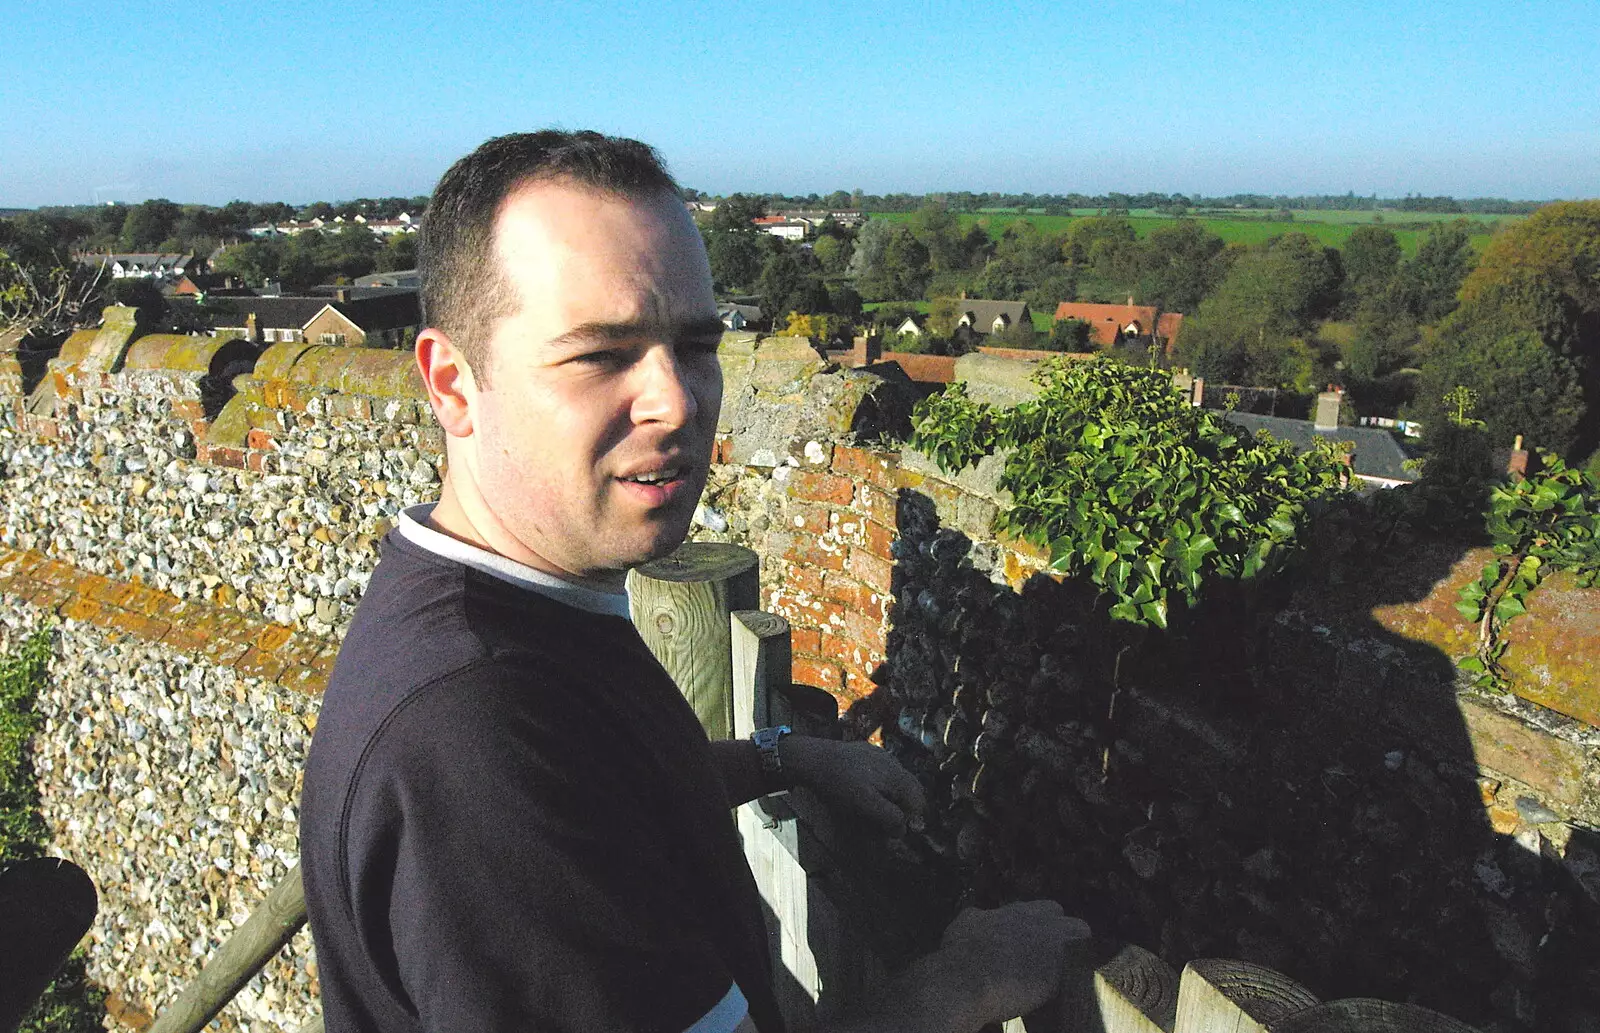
pixel 592 439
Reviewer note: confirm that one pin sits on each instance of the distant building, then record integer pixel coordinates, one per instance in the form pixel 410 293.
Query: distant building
pixel 1376 457
pixel 992 317
pixel 161 267
pixel 405 222
pixel 1111 324
pixel 373 318
pixel 814 217
pixel 398 278
pixel 738 317
pixel 779 226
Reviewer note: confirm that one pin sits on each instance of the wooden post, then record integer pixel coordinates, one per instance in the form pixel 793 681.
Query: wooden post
pixel 251 946
pixel 46 905
pixel 1220 996
pixel 761 661
pixel 1134 992
pixel 682 605
pixel 1364 1015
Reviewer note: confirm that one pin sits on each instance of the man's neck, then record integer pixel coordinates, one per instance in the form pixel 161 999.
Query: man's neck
pixel 451 517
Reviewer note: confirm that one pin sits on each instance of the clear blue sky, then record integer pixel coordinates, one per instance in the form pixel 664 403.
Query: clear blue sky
pixel 302 101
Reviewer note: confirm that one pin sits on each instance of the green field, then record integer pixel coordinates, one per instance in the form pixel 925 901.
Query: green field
pixel 1331 228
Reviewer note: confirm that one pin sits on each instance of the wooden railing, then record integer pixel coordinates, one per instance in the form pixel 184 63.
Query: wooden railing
pixel 697 611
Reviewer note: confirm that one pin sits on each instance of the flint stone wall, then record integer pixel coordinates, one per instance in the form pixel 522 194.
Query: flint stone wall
pixel 200 520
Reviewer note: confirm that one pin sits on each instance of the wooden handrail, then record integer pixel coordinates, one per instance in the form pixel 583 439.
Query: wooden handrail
pixel 246 952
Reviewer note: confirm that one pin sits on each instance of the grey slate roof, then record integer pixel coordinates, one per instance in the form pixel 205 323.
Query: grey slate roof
pixel 1377 453
pixel 382 311
pixel 984 313
pixel 396 278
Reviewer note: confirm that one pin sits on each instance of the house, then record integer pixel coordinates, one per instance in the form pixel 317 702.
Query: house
pixel 992 317
pixel 1377 458
pixel 816 217
pixel 779 226
pixel 397 278
pixel 161 267
pixel 912 325
pixel 370 317
pixel 405 222
pixel 738 317
pixel 1110 324
pixel 204 284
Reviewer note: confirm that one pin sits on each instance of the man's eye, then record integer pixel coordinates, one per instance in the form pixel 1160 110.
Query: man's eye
pixel 607 357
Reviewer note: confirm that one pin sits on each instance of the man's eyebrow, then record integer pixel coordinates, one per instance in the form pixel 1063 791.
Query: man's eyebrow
pixel 589 334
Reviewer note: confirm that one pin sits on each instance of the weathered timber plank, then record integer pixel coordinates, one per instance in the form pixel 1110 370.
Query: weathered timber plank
pixel 1136 992
pixel 254 944
pixel 681 605
pixel 1364 1015
pixel 761 656
pixel 1217 995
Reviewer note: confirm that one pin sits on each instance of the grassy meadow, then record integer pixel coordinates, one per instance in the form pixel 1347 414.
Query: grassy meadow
pixel 1330 228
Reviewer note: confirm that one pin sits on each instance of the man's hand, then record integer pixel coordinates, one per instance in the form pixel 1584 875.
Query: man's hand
pixel 857 777
pixel 990 966
pixel 1014 956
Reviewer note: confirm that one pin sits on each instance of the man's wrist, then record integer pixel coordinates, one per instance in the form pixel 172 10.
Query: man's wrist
pixel 775 777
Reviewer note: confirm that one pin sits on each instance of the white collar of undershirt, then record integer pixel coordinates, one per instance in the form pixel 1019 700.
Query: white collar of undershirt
pixel 414 527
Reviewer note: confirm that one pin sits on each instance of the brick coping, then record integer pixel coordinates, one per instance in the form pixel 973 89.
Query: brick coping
pixel 218 634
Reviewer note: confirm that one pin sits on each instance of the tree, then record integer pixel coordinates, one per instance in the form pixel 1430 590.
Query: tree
pixel 943 314
pixel 1371 261
pixel 1538 278
pixel 1435 275
pixel 788 285
pixel 843 300
pixel 1253 330
pixel 1071 335
pixel 736 258
pixel 1386 337
pixel 832 253
pixel 399 252
pixel 1523 386
pixel 1179 265
pixel 901 269
pixel 736 214
pixel 253 261
pixel 939 232
pixel 147 225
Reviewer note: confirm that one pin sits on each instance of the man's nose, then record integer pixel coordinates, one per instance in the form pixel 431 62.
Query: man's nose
pixel 665 391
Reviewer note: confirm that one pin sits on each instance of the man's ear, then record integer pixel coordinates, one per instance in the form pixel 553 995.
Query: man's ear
pixel 448 378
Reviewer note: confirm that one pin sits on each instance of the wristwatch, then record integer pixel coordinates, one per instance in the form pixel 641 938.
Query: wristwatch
pixel 766 740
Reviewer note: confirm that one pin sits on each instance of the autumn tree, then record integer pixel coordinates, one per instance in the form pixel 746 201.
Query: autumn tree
pixel 1526 336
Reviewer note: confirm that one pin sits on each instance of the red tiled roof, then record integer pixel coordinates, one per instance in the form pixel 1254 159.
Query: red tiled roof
pixel 1106 321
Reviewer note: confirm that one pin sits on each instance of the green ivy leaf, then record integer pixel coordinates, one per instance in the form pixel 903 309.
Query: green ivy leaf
pixel 1508 607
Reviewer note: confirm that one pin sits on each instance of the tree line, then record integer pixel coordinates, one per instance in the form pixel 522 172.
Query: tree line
pixel 972 203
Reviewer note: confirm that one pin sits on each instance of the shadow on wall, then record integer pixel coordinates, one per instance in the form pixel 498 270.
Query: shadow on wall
pixel 1278 778
pixel 235 358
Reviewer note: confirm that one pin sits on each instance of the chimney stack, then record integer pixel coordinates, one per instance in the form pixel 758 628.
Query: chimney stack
pixel 251 332
pixel 1517 464
pixel 342 294
pixel 1327 417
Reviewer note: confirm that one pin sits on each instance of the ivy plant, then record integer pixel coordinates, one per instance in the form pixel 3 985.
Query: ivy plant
pixel 1123 482
pixel 1549 521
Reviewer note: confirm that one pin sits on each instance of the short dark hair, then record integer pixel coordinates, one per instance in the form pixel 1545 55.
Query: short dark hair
pixel 464 290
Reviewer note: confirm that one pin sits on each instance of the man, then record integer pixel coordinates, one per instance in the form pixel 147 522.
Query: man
pixel 511 820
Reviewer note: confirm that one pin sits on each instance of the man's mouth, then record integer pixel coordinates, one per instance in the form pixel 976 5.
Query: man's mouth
pixel 670 473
